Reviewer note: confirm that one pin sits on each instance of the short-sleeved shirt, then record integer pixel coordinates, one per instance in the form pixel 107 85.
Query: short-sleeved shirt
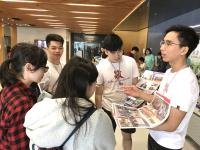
pixel 183 92
pixel 51 76
pixel 15 101
pixel 112 76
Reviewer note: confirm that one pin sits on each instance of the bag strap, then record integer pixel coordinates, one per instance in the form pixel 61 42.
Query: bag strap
pixel 85 117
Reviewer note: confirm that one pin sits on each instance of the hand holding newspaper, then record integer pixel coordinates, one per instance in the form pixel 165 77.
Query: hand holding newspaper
pixel 147 116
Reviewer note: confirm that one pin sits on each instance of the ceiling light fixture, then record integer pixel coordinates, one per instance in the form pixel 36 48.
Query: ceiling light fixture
pixel 28 9
pixel 92 25
pixel 57 25
pixel 86 18
pixel 89 27
pixel 19 1
pixel 35 15
pixel 81 12
pixel 48 20
pixel 195 26
pixel 89 30
pixel 53 22
pixel 84 21
pixel 88 5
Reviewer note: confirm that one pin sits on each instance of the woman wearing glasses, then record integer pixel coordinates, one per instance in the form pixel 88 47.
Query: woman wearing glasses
pixel 26 65
pixel 179 84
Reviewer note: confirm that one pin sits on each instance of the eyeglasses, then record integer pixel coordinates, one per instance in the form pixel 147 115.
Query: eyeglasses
pixel 168 43
pixel 45 68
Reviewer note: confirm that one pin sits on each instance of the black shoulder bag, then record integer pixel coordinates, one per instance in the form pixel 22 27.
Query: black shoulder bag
pixel 85 117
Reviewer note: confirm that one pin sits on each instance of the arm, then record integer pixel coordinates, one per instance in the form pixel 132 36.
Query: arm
pixel 173 121
pixel 16 133
pixel 104 130
pixel 135 92
pixel 98 96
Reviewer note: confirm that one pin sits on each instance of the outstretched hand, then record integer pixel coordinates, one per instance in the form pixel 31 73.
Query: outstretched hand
pixel 131 90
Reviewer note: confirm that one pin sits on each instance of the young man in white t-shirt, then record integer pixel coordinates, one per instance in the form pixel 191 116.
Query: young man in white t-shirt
pixel 179 85
pixel 54 50
pixel 114 71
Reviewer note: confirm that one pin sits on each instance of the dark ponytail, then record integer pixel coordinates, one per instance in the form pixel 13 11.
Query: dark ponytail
pixel 6 74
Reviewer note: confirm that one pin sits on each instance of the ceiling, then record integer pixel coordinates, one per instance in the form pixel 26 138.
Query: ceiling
pixel 106 16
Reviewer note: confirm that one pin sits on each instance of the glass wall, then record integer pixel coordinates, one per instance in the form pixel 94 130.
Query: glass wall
pixel 86 46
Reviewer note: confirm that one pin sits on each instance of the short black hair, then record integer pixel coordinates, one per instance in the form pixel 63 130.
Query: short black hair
pixel 141 59
pixel 135 48
pixel 54 37
pixel 112 42
pixel 148 49
pixel 186 35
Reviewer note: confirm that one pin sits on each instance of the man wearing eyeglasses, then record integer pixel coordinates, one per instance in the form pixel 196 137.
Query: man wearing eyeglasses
pixel 179 84
pixel 54 51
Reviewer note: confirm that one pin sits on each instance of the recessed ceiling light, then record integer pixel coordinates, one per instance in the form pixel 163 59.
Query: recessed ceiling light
pixel 48 20
pixel 53 23
pixel 88 27
pixel 36 15
pixel 20 1
pixel 89 5
pixel 86 18
pixel 57 25
pixel 195 26
pixel 28 9
pixel 85 21
pixel 92 25
pixel 81 12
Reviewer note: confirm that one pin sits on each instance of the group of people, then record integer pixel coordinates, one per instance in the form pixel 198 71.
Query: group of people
pixel 149 61
pixel 26 123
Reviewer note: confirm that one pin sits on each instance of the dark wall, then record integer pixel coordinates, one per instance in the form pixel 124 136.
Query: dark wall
pixel 162 10
pixel 155 32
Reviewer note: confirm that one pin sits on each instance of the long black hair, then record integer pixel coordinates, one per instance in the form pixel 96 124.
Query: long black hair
pixel 72 84
pixel 21 54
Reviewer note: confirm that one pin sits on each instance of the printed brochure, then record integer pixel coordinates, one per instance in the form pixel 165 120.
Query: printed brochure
pixel 150 81
pixel 147 116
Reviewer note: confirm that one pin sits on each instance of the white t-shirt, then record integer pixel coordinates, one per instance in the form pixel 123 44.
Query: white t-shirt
pixel 183 91
pixel 126 70
pixel 51 76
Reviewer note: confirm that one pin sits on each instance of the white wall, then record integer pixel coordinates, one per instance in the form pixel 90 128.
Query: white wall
pixel 29 34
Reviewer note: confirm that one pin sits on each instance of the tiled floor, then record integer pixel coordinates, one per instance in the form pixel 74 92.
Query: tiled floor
pixel 140 141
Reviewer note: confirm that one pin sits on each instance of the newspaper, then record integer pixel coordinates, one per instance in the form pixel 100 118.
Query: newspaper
pixel 147 116
pixel 150 81
pixel 133 102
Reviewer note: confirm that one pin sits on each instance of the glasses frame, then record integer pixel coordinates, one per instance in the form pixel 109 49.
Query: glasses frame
pixel 168 43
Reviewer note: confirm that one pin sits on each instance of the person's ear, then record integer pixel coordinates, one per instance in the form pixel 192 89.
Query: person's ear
pixel 184 50
pixel 106 51
pixel 28 67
